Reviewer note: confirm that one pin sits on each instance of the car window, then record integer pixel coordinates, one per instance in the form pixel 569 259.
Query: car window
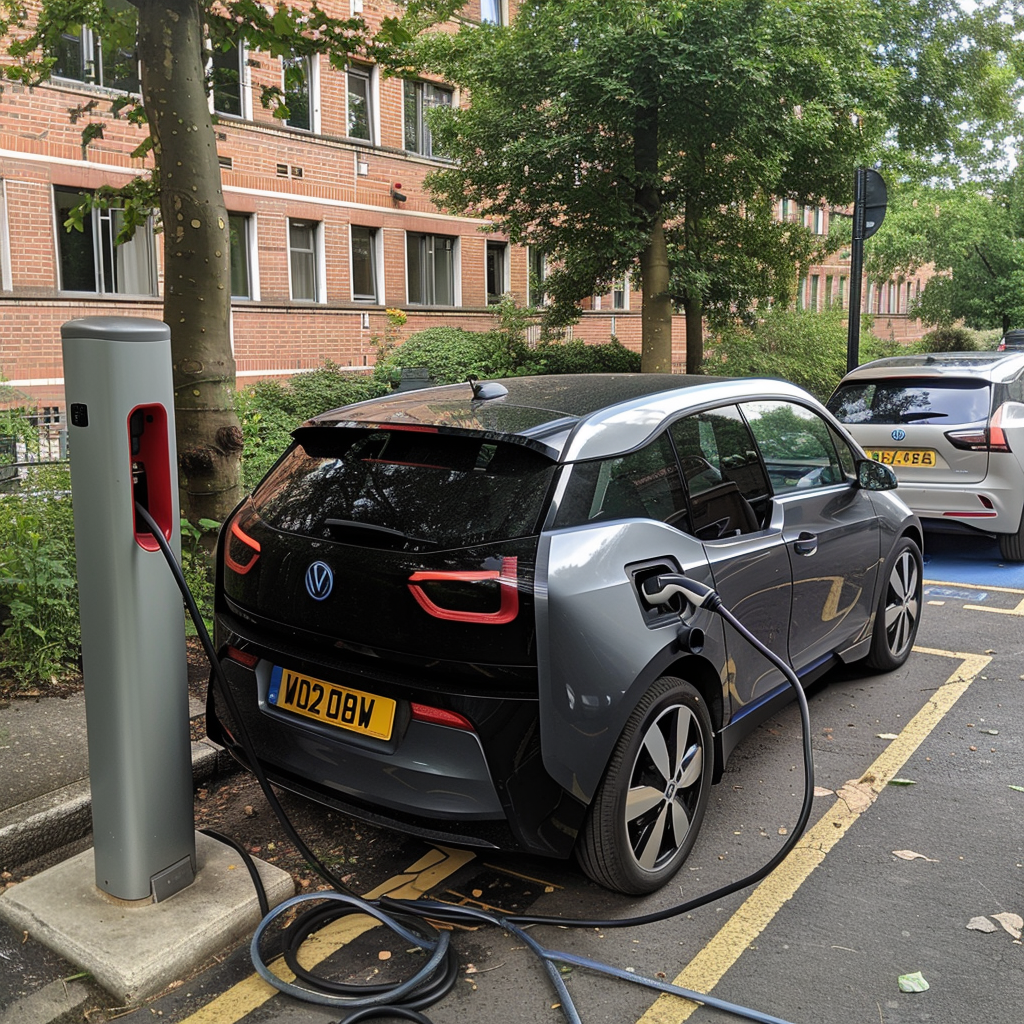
pixel 406 490
pixel 796 444
pixel 643 484
pixel 911 400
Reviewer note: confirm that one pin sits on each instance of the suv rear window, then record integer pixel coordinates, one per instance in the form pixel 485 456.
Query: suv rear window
pixel 910 400
pixel 405 490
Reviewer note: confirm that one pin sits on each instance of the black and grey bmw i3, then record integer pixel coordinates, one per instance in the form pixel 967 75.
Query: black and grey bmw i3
pixel 435 611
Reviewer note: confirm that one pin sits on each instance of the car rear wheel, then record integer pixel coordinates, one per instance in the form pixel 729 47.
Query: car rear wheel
pixel 899 608
pixel 648 808
pixel 1011 545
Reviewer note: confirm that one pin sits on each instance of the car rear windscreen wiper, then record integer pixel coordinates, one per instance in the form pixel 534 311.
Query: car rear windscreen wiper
pixel 383 536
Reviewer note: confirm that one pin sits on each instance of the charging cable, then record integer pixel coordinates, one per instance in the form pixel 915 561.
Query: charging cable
pixel 410 919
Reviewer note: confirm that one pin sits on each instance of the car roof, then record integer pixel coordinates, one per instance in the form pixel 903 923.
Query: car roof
pixel 569 417
pixel 991 366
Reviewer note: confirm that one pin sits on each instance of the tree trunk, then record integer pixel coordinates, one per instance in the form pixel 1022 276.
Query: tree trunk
pixel 197 256
pixel 656 315
pixel 693 307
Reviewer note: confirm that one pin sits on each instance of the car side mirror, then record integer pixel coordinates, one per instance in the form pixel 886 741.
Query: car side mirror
pixel 874 476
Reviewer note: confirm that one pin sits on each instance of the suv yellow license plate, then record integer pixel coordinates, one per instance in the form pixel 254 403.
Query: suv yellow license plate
pixel 364 713
pixel 903 456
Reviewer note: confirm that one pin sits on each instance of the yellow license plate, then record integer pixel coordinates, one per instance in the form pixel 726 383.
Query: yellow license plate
pixel 364 713
pixel 903 456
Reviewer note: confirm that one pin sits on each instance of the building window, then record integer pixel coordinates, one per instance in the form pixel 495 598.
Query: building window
pixel 304 260
pixel 364 264
pixel 801 294
pixel 360 123
pixel 240 228
pixel 419 97
pixel 90 261
pixel 829 283
pixel 620 294
pixel 813 302
pixel 785 209
pixel 841 293
pixel 538 271
pixel 497 271
pixel 491 12
pixel 82 55
pixel 430 263
pixel 5 241
pixel 228 80
pixel 298 76
pixel 818 221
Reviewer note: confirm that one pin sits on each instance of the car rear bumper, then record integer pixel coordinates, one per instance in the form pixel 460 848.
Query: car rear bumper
pixel 485 787
pixel 979 506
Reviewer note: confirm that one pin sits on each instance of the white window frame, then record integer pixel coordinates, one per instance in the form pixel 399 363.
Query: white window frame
pixel 498 13
pixel 456 269
pixel 534 253
pixel 506 286
pixel 371 73
pixel 624 291
pixel 313 67
pixel 251 259
pixel 425 141
pixel 104 226
pixel 244 84
pixel 319 266
pixel 377 256
pixel 6 281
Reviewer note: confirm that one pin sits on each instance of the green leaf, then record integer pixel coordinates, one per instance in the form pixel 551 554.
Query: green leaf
pixel 209 524
pixel 1019 789
pixel 902 782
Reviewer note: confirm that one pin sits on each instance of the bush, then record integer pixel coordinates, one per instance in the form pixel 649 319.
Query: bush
pixel 806 348
pixel 949 339
pixel 450 354
pixel 41 639
pixel 578 357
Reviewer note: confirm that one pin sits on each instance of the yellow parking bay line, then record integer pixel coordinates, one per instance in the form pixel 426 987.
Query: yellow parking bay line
pixel 710 964
pixel 429 871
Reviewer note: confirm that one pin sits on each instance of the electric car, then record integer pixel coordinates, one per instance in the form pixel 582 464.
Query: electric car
pixel 951 425
pixel 443 611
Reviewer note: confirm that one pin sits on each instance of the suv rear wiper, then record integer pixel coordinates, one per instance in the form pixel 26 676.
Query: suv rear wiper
pixel 383 533
pixel 910 417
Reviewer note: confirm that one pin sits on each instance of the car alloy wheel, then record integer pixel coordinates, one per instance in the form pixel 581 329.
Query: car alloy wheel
pixel 649 807
pixel 899 608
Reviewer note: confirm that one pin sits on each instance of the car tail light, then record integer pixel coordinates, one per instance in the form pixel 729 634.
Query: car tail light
pixel 443 597
pixel 981 439
pixel 246 658
pixel 438 716
pixel 241 552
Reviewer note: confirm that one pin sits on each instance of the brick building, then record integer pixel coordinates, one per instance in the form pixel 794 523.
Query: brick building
pixel 330 223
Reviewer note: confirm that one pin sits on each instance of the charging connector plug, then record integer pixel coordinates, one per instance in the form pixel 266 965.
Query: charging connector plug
pixel 661 590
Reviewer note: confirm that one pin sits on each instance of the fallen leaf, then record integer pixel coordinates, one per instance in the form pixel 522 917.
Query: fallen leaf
pixel 858 796
pixel 384 955
pixel 1019 789
pixel 471 968
pixel 981 924
pixel 783 831
pixel 910 855
pixel 822 791
pixel 1012 923
pixel 887 736
pixel 990 732
pixel 913 982
pixel 902 782
pixel 477 893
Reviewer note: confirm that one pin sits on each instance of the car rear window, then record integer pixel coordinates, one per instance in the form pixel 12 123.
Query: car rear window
pixel 405 490
pixel 911 400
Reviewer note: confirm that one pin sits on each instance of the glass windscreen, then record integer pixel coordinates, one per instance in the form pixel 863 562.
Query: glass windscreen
pixel 909 400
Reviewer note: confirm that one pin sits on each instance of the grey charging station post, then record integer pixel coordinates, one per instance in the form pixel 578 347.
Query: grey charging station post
pixel 120 400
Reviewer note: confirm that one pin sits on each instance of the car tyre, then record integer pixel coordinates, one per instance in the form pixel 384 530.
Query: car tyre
pixel 899 608
pixel 648 809
pixel 1011 545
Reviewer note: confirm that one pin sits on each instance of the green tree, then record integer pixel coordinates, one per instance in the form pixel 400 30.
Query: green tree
pixel 652 137
pixel 172 40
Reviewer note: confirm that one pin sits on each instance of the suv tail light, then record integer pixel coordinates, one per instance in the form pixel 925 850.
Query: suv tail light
pixel 506 581
pixel 981 439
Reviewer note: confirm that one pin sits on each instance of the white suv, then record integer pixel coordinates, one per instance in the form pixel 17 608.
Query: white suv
pixel 952 427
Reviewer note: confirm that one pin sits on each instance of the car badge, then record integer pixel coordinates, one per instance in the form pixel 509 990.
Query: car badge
pixel 319 581
pixel 899 434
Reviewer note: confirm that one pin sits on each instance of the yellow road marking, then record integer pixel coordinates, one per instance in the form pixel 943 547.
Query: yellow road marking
pixel 253 992
pixel 710 964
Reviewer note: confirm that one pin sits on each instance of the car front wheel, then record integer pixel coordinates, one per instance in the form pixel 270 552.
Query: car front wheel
pixel 899 608
pixel 648 808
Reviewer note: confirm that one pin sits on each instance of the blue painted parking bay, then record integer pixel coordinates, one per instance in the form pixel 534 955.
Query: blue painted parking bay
pixel 968 558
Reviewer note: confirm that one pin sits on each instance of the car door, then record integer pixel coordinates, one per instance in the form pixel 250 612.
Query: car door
pixel 829 528
pixel 729 502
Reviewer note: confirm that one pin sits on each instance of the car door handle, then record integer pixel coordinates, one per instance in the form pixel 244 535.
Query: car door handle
pixel 806 543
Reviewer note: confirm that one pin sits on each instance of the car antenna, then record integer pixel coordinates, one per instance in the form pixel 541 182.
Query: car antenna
pixel 487 389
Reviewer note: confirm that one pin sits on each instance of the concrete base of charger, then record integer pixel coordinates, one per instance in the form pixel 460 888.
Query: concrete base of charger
pixel 135 951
